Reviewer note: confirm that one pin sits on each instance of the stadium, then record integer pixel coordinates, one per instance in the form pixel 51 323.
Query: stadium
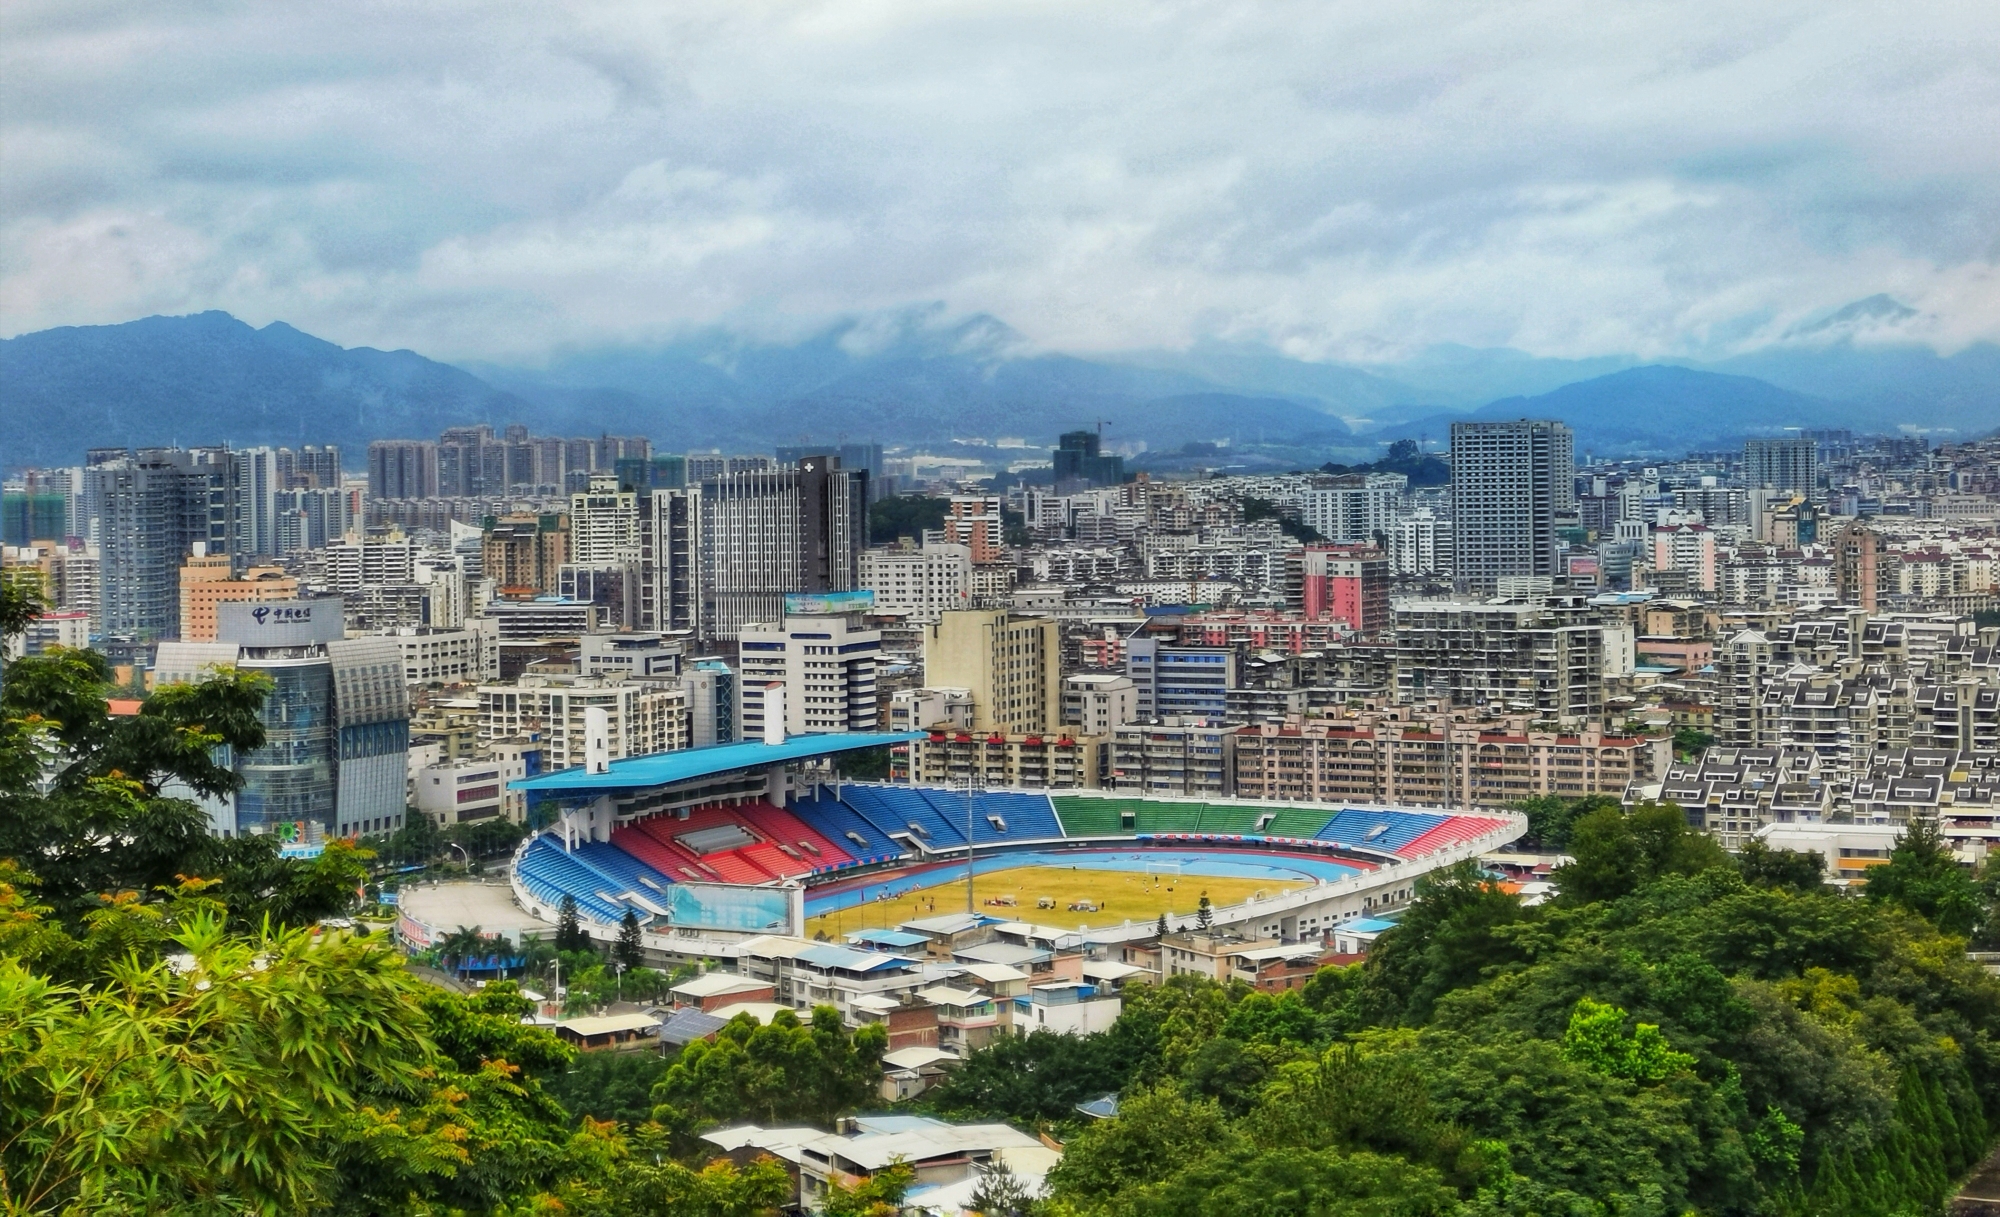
pixel 711 845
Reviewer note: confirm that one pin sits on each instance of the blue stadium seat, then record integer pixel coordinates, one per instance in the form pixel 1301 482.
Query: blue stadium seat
pixel 901 809
pixel 841 824
pixel 546 869
pixel 1026 817
pixel 631 873
pixel 1382 830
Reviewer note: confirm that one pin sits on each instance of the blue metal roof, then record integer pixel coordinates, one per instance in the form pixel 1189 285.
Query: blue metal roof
pixel 889 938
pixel 669 768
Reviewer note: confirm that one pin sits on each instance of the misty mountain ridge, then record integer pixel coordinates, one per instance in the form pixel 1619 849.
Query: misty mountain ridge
pixel 916 377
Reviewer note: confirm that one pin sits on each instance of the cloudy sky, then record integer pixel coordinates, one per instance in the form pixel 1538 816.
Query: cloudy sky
pixel 1342 180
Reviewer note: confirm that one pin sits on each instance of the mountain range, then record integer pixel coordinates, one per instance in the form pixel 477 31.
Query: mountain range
pixel 910 378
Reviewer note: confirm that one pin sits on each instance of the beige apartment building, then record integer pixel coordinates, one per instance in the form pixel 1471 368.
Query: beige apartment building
pixel 1437 763
pixel 645 717
pixel 1011 665
pixel 206 581
pixel 1055 761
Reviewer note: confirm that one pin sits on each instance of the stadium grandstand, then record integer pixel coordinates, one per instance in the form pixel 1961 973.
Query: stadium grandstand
pixel 682 839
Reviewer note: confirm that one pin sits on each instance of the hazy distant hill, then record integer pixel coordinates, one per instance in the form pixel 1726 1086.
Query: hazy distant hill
pixel 210 377
pixel 907 376
pixel 1658 409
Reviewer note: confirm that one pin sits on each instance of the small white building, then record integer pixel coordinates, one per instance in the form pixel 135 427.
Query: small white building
pixel 918 582
pixel 946 1158
pixel 1070 1007
pixel 467 789
pixel 826 666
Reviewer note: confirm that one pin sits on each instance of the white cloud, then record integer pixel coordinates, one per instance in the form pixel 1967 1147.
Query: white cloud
pixel 1341 179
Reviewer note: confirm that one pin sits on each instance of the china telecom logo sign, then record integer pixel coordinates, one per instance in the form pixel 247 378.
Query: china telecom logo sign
pixel 260 613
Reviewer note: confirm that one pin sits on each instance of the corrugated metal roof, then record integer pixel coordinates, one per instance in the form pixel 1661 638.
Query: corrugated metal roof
pixel 669 768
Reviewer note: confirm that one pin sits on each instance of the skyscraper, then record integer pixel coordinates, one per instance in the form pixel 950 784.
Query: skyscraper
pixel 337 737
pixel 763 533
pixel 153 505
pixel 1781 464
pixel 1508 482
pixel 1080 463
pixel 403 469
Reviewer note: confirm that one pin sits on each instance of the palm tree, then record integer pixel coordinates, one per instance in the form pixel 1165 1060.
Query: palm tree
pixel 461 944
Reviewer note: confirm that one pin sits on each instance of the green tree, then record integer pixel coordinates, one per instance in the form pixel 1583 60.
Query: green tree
pixel 628 949
pixel 1617 852
pixel 783 1070
pixel 905 515
pixel 1247 1181
pixel 82 802
pixel 1204 914
pixel 609 1085
pixel 569 927
pixel 865 765
pixel 171 1086
pixel 1155 1133
pixel 1001 1193
pixel 1551 816
pixel 1800 871
pixel 1922 876
pixel 879 1195
pixel 1690 743
pixel 1596 1039
pixel 1037 1078
pixel 22 599
pixel 1450 936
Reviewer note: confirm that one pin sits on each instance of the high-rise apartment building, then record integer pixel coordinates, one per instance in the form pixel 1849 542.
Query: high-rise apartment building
pixel 403 469
pixel 1781 464
pixel 32 515
pixel 702 466
pixel 765 533
pixel 826 666
pixel 353 565
pixel 1080 463
pixel 645 716
pixel 1011 665
pixel 973 521
pixel 1347 583
pixel 670 560
pixel 309 518
pixel 918 583
pixel 1544 659
pixel 604 523
pixel 1355 507
pixel 312 467
pixel 152 506
pixel 1857 565
pixel 1421 544
pixel 1690 549
pixel 526 551
pixel 1509 481
pixel 1177 682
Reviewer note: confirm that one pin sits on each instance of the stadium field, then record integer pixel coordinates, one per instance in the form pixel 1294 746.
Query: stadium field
pixel 1119 887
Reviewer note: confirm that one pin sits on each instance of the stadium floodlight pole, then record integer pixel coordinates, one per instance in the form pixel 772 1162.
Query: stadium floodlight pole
pixel 971 778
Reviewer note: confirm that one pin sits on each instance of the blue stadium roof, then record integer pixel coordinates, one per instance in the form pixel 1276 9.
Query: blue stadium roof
pixel 668 768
